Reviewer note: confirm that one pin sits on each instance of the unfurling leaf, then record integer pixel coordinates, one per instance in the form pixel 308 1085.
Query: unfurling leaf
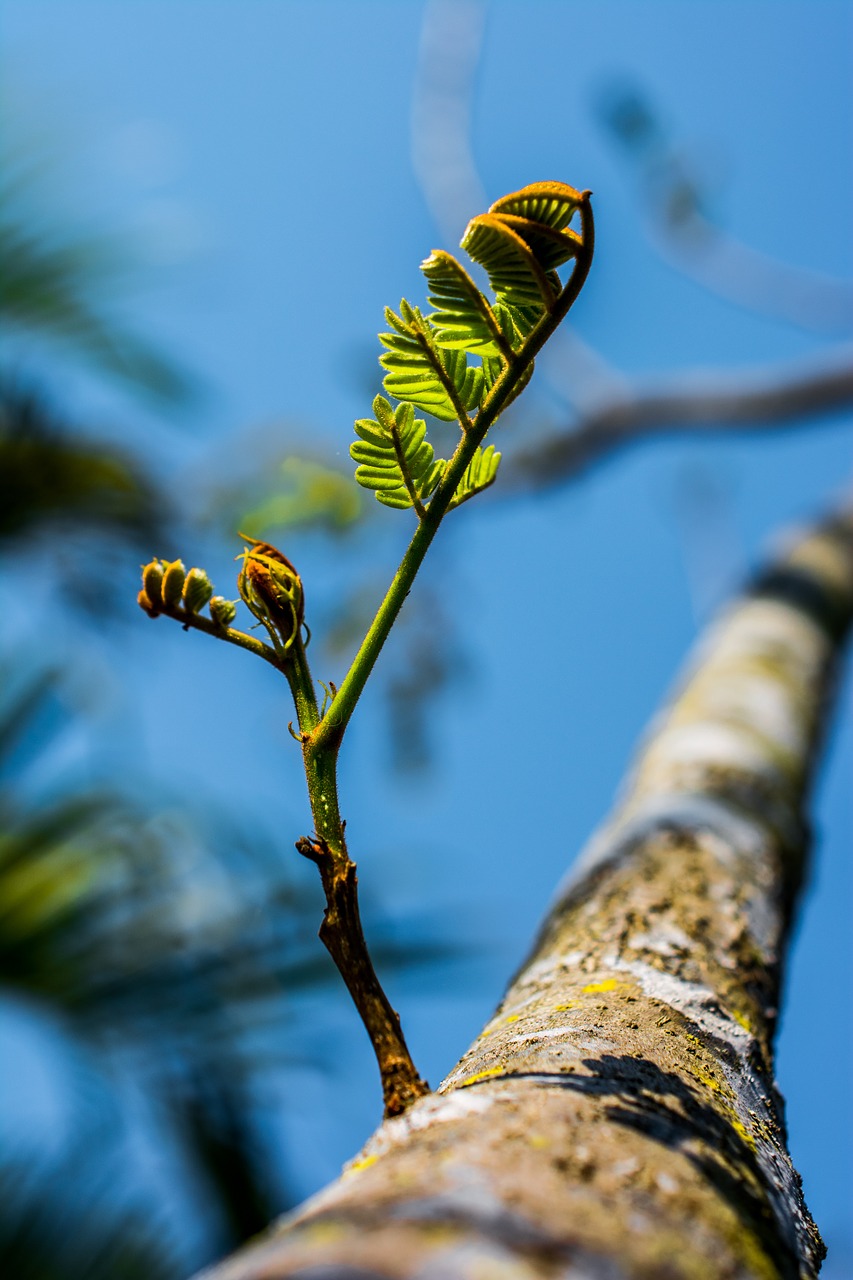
pixel 462 318
pixel 514 271
pixel 521 241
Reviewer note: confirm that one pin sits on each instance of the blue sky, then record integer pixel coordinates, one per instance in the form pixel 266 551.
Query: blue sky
pixel 258 159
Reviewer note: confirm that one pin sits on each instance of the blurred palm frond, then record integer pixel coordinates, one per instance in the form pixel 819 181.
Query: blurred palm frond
pixel 50 286
pixel 53 479
pixel 62 1223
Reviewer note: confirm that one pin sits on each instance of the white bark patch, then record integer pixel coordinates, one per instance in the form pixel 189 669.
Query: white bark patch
pixel 643 818
pixel 698 1003
pixel 429 1111
pixel 665 940
pixel 550 1033
pixel 706 744
pixel 746 696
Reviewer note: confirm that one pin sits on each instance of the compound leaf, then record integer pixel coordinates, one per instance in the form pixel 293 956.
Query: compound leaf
pixel 430 378
pixel 394 456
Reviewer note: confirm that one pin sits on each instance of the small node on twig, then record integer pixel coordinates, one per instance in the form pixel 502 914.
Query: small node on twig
pixel 316 851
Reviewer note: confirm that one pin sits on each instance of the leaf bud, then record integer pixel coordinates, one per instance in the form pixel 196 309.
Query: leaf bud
pixel 222 611
pixel 144 602
pixel 197 590
pixel 272 589
pixel 174 574
pixel 152 581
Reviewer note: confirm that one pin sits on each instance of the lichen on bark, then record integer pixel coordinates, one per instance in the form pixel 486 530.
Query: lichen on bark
pixel 618 1116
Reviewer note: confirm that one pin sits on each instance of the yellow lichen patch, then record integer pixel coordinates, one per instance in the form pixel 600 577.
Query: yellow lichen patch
pixel 708 1081
pixel 538 1141
pixel 358 1165
pixel 324 1232
pixel 754 1255
pixel 497 1023
pixel 742 1132
pixel 604 985
pixel 482 1075
pixel 563 1008
pixel 743 1020
pixel 607 984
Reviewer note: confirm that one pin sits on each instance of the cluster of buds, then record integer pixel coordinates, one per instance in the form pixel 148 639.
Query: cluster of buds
pixel 272 589
pixel 167 587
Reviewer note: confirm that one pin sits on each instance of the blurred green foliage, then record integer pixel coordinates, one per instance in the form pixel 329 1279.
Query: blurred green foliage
pixel 54 284
pixel 160 949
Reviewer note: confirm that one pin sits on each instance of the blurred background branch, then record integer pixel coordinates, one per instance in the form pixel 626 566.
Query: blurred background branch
pixel 690 404
pixel 680 199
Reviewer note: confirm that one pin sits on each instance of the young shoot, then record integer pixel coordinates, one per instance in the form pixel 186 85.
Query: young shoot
pixel 464 360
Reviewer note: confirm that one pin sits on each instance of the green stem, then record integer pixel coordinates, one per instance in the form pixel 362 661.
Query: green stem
pixel 320 767
pixel 333 725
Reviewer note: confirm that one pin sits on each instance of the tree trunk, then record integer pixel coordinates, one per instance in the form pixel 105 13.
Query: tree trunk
pixel 618 1116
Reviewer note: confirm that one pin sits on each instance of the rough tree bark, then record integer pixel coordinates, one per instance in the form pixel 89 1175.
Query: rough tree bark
pixel 618 1116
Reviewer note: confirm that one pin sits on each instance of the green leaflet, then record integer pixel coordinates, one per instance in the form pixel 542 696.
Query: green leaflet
pixel 395 458
pixel 481 471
